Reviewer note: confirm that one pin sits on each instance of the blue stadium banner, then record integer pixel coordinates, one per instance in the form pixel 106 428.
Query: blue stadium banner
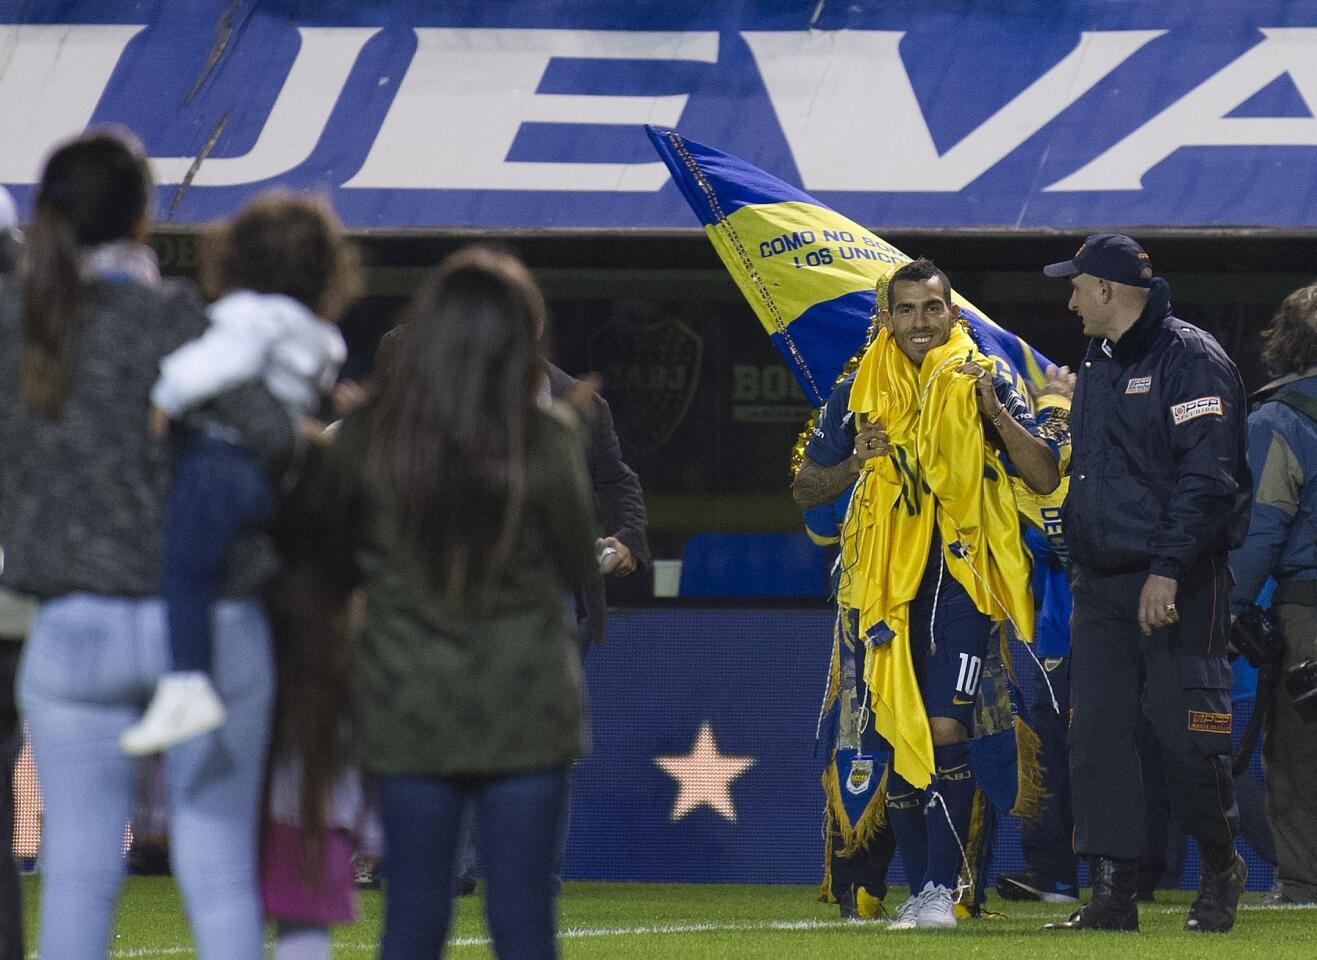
pixel 1017 114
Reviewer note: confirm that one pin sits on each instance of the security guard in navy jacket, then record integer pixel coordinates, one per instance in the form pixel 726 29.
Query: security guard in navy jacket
pixel 1159 493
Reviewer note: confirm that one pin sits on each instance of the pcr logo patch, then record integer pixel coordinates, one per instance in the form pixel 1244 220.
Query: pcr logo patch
pixel 1202 407
pixel 1202 722
pixel 1139 385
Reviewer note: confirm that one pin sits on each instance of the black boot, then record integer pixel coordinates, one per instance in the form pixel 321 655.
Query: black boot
pixel 1220 883
pixel 1113 905
pixel 846 901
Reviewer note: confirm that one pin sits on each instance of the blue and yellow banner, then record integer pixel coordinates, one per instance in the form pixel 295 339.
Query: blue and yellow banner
pixel 809 273
pixel 812 277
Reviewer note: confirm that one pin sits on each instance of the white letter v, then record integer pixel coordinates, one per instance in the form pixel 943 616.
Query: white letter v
pixel 879 141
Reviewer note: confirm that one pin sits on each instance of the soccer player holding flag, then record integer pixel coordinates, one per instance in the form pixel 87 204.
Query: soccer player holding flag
pixel 933 561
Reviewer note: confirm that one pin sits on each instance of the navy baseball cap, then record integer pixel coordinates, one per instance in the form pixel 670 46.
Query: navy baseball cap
pixel 1111 256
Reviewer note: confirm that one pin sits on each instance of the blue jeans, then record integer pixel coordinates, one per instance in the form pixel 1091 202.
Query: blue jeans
pixel 89 665
pixel 518 821
pixel 468 865
pixel 219 490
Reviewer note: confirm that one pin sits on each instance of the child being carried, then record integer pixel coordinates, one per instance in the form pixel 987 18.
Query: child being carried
pixel 283 266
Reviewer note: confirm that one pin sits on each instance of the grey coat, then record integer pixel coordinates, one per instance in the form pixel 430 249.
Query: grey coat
pixel 82 496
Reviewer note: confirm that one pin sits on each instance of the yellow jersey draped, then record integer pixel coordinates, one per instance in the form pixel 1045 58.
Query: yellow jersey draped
pixel 942 471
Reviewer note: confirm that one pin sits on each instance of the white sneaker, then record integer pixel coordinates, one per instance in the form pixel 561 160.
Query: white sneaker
pixel 936 911
pixel 184 706
pixel 906 914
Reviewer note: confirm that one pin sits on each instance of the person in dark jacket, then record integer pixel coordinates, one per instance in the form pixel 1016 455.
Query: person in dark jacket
pixel 620 507
pixel 620 504
pixel 1282 543
pixel 1159 493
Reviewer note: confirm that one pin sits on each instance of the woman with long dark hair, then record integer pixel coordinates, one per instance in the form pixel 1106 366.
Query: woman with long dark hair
pixel 475 521
pixel 82 503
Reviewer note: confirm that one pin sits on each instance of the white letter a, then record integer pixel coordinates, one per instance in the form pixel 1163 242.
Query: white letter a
pixel 1198 119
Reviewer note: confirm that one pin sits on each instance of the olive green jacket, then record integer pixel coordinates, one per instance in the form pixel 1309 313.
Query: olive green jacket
pixel 491 687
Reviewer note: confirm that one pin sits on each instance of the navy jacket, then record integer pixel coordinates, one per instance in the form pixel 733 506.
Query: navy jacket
pixel 619 503
pixel 1159 472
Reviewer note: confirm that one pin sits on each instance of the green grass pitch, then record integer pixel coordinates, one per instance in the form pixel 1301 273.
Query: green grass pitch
pixel 660 921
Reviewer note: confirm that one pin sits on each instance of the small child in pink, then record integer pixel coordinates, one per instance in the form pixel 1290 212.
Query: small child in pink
pixel 316 810
pixel 306 898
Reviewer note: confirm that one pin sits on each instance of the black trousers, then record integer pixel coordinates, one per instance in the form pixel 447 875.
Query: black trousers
pixel 1046 841
pixel 1179 680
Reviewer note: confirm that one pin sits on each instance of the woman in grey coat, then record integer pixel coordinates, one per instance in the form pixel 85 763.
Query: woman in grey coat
pixel 82 497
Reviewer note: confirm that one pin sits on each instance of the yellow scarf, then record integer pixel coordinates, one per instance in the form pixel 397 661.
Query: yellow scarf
pixel 941 471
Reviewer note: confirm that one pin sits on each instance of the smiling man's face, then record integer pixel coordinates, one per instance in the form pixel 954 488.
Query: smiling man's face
pixel 919 316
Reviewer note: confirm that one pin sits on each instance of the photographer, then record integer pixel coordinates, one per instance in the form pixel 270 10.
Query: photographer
pixel 1282 543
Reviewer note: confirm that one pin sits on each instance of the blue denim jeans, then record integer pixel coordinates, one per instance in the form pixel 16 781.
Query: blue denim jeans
pixel 219 490
pixel 518 821
pixel 90 664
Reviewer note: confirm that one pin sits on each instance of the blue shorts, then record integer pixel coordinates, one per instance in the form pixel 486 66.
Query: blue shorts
pixel 949 666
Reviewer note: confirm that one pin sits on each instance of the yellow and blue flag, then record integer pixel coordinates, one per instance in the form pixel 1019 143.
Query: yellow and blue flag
pixel 809 273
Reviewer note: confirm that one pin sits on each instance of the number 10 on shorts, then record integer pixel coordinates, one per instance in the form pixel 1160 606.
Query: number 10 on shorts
pixel 968 681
